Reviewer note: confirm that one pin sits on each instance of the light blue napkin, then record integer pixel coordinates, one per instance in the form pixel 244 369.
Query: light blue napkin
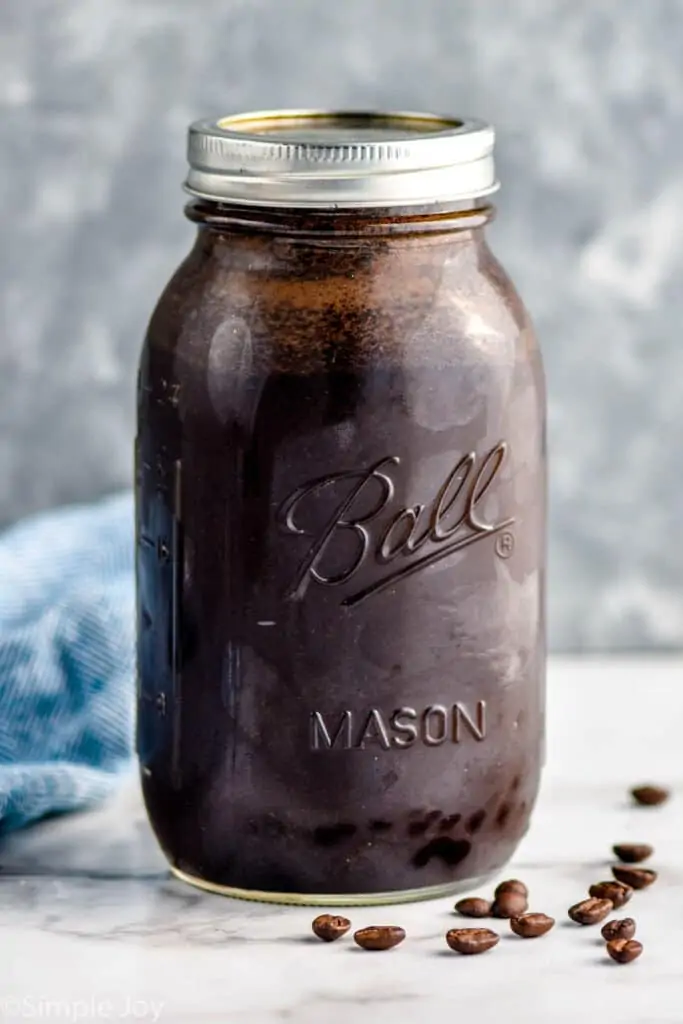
pixel 66 659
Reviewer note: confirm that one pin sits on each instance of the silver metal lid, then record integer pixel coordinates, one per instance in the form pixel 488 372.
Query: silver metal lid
pixel 332 159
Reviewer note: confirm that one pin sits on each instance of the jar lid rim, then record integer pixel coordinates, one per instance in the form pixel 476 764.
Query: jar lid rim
pixel 344 158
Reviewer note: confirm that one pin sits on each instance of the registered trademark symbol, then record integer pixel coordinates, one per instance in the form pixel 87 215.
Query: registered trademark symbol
pixel 505 544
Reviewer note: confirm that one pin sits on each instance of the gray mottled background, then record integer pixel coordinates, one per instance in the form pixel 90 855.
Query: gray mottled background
pixel 588 98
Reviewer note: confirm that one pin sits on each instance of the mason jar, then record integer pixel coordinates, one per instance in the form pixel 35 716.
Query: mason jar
pixel 340 518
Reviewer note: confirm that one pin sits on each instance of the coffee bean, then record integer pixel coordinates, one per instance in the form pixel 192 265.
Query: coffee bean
pixel 530 926
pixel 511 885
pixel 329 927
pixel 619 929
pixel 632 853
pixel 378 937
pixel 624 951
pixel 650 796
pixel 590 911
pixel 617 892
pixel 637 878
pixel 509 904
pixel 472 940
pixel 474 906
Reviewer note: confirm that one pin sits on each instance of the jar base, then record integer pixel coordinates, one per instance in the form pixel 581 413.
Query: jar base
pixel 371 899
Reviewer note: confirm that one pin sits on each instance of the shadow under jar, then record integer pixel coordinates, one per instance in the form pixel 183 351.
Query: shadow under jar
pixel 340 518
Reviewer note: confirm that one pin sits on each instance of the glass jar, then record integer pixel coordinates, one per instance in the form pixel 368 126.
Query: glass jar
pixel 340 518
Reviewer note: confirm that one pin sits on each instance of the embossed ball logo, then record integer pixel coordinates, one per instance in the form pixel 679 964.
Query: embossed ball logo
pixel 380 532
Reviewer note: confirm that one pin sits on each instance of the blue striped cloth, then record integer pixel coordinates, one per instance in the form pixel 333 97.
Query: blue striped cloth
pixel 66 659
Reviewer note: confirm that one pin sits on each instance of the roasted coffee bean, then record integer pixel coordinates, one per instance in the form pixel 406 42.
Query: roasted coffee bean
pixel 511 885
pixel 591 911
pixel 624 928
pixel 472 940
pixel 624 951
pixel 637 878
pixel 650 796
pixel 632 853
pixel 530 926
pixel 329 927
pixel 509 904
pixel 474 906
pixel 379 937
pixel 617 892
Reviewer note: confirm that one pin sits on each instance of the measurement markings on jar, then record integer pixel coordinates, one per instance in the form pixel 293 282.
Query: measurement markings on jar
pixel 176 619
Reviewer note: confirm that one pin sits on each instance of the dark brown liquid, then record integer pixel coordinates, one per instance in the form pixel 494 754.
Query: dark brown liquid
pixel 341 502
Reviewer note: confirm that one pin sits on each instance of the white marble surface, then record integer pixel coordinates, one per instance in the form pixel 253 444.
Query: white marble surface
pixel 92 928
